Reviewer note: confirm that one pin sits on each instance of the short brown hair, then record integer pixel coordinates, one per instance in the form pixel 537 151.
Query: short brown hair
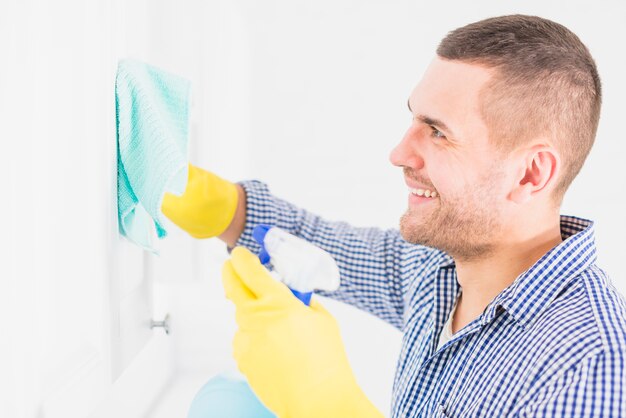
pixel 546 82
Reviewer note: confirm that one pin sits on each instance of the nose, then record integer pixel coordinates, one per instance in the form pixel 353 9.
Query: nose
pixel 406 153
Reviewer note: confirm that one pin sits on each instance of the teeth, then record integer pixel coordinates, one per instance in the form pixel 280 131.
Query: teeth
pixel 423 192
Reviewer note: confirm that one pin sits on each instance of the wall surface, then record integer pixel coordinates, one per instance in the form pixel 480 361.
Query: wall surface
pixel 309 97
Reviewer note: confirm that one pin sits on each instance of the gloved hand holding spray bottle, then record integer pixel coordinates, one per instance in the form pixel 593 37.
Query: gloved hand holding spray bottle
pixel 303 267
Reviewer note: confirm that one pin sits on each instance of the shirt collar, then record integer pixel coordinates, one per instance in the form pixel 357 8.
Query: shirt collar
pixel 533 290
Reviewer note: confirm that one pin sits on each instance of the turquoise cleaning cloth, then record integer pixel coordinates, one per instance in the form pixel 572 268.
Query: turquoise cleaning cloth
pixel 152 111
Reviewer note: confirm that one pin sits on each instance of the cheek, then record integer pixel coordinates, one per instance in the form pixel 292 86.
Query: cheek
pixel 450 175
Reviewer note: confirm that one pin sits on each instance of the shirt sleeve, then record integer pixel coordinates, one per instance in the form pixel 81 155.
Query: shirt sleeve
pixel 375 265
pixel 596 387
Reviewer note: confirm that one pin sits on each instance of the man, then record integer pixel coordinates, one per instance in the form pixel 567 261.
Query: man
pixel 503 309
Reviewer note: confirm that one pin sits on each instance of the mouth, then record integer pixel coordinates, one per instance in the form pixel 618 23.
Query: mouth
pixel 427 193
pixel 419 196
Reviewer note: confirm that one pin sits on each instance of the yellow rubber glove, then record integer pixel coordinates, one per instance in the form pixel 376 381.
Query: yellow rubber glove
pixel 206 208
pixel 292 354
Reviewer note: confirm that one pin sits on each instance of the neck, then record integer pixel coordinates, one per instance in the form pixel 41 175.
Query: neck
pixel 483 279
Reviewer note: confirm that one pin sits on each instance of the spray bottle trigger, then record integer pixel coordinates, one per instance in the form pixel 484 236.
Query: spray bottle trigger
pixel 259 233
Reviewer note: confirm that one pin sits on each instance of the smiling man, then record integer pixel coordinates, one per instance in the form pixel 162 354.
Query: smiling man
pixel 502 306
pixel 485 195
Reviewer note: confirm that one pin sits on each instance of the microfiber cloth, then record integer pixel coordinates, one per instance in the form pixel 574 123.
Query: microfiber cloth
pixel 152 114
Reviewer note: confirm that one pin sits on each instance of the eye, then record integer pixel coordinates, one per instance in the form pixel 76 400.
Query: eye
pixel 436 133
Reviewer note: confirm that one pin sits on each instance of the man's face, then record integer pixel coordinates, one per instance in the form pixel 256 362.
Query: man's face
pixel 446 150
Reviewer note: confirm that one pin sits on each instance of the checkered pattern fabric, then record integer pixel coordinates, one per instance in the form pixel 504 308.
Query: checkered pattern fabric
pixel 553 344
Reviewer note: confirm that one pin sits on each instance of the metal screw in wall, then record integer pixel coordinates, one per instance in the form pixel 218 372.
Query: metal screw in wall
pixel 165 324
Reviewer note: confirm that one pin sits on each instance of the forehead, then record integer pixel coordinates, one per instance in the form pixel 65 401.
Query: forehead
pixel 450 91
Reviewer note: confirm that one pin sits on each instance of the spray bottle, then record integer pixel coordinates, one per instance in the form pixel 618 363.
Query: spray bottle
pixel 302 266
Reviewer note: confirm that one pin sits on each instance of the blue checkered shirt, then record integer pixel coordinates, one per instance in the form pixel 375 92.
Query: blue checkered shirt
pixel 553 344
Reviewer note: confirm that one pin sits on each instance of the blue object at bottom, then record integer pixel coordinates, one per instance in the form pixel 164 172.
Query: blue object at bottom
pixel 305 297
pixel 228 397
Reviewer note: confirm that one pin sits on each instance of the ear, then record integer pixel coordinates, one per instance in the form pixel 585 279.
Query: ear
pixel 537 175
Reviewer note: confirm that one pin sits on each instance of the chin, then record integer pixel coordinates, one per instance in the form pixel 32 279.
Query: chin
pixel 412 232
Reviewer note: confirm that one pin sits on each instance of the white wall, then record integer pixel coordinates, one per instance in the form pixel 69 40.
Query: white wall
pixel 75 297
pixel 57 117
pixel 307 96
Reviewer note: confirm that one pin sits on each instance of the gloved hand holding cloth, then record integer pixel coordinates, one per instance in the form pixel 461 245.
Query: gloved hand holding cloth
pixel 207 206
pixel 291 354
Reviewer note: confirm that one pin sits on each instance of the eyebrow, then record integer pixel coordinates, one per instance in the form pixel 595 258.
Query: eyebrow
pixel 430 120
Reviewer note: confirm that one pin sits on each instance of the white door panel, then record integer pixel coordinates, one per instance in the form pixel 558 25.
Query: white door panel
pixel 130 305
pixel 79 297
